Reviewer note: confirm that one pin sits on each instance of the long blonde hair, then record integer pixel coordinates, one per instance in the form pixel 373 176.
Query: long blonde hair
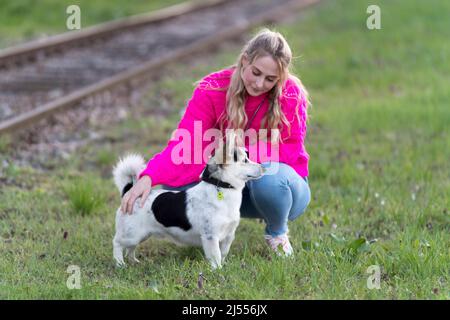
pixel 264 43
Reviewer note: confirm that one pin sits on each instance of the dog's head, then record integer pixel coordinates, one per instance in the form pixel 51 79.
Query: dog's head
pixel 230 163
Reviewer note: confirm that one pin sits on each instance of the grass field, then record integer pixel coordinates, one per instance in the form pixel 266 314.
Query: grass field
pixel 379 141
pixel 22 20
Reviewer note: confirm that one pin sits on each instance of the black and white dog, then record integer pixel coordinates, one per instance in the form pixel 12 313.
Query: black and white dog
pixel 205 215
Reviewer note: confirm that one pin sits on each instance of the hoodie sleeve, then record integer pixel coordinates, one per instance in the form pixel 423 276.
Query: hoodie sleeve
pixel 295 107
pixel 176 165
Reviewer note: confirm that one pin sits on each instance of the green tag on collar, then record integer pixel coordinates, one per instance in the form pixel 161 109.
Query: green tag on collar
pixel 220 195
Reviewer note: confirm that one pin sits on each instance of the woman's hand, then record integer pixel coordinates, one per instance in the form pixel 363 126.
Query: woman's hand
pixel 141 188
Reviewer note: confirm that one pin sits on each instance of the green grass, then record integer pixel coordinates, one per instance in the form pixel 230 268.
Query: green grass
pixel 83 195
pixel 22 20
pixel 379 142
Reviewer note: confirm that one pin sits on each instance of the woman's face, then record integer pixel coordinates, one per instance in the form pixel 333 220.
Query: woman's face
pixel 260 76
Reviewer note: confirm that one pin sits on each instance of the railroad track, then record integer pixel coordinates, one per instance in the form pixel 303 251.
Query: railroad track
pixel 40 79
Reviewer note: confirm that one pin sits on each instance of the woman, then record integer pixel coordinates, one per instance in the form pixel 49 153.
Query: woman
pixel 258 93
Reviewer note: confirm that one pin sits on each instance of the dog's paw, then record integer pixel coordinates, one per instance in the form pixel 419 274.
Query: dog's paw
pixel 133 260
pixel 121 264
pixel 215 266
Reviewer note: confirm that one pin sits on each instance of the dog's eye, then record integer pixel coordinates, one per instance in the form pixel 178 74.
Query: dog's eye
pixel 246 160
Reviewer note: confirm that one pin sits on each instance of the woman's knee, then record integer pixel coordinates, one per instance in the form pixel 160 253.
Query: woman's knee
pixel 278 175
pixel 285 188
pixel 301 197
pixel 273 189
pixel 275 184
pixel 288 185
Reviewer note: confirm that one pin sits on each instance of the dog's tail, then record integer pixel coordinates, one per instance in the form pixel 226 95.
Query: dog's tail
pixel 126 170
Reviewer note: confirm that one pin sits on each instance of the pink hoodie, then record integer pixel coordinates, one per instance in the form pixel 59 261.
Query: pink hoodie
pixel 204 109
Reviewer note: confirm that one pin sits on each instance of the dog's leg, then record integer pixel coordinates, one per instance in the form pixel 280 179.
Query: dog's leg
pixel 118 254
pixel 212 250
pixel 131 252
pixel 225 245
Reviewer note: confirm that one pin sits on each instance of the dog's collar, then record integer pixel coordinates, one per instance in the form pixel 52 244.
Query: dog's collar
pixel 217 182
pixel 206 176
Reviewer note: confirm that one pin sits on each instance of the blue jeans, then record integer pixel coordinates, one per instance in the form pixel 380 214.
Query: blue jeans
pixel 278 196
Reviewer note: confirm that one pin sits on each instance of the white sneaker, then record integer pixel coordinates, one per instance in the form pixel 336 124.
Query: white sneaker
pixel 275 242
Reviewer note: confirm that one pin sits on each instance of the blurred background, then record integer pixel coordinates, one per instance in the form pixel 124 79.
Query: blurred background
pixel 26 19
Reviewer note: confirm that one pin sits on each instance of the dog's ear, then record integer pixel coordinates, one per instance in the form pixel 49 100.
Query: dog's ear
pixel 231 143
pixel 219 154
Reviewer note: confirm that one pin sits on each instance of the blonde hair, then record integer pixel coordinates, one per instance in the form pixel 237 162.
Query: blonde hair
pixel 264 43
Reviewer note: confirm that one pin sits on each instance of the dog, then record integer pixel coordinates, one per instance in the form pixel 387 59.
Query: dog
pixel 205 215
